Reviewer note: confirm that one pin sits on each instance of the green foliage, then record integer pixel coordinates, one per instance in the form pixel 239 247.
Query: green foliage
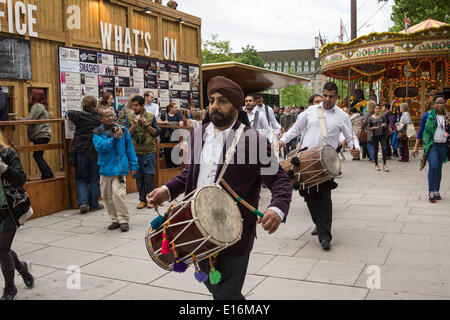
pixel 297 94
pixel 250 56
pixel 418 11
pixel 216 50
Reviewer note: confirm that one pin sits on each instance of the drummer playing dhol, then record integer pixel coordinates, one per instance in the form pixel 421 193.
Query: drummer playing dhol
pixel 318 198
pixel 244 175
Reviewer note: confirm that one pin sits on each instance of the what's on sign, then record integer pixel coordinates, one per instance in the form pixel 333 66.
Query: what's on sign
pixel 21 18
pixel 127 41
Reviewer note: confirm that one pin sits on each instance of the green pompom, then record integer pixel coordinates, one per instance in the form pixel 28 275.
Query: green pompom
pixel 158 222
pixel 214 276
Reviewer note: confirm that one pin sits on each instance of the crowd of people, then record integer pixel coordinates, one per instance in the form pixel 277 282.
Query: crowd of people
pixel 109 143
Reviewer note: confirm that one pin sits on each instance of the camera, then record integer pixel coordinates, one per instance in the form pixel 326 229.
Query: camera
pixel 140 139
pixel 115 128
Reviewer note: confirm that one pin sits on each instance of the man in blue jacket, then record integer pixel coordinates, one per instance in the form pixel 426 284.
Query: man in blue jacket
pixel 116 156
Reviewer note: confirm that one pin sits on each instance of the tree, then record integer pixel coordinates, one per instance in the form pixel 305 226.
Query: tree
pixel 216 50
pixel 250 56
pixel 418 11
pixel 294 95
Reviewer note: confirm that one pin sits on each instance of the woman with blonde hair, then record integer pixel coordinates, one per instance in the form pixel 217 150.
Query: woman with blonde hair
pixel 370 110
pixel 403 139
pixel 15 208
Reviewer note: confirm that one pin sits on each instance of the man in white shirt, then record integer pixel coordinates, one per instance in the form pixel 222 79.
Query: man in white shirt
pixel 273 123
pixel 150 106
pixel 257 121
pixel 243 174
pixel 337 121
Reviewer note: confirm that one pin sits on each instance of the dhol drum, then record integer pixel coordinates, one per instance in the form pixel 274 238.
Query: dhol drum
pixel 312 166
pixel 205 222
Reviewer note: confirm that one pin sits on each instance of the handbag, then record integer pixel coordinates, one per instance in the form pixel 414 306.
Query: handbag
pixel 410 131
pixel 362 135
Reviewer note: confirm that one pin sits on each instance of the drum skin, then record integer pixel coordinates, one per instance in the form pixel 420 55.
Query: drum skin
pixel 317 165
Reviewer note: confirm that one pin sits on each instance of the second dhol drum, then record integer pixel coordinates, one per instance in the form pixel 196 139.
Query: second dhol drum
pixel 205 222
pixel 313 166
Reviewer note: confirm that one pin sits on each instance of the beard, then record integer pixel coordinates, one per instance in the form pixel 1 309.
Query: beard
pixel 220 119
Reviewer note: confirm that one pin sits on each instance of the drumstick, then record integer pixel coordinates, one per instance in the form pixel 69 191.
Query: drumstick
pixel 241 201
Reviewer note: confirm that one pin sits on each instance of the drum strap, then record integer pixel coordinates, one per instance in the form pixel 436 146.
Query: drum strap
pixel 230 152
pixel 323 125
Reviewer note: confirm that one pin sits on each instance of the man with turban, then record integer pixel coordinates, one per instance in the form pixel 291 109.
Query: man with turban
pixel 243 174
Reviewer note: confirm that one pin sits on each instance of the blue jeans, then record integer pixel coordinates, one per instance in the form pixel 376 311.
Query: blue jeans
pixel 436 157
pixel 88 182
pixel 369 146
pixel 46 172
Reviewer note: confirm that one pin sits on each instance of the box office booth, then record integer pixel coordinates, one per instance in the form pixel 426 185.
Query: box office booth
pixel 77 48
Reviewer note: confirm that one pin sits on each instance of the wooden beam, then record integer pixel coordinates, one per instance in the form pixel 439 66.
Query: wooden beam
pixel 41 147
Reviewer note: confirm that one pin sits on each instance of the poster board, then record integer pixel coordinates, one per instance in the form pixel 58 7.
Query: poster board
pixel 90 73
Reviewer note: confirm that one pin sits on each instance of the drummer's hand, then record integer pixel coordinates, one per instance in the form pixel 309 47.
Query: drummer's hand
pixel 355 153
pixel 415 152
pixel 157 197
pixel 271 221
pixel 280 145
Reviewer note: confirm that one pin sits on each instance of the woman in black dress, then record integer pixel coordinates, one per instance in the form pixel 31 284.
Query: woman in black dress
pixel 14 207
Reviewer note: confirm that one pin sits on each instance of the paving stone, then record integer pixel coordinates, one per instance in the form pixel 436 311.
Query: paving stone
pixel 132 249
pixel 41 236
pixel 336 272
pixel 366 238
pixel 54 287
pixel 283 247
pixel 415 259
pixel 61 258
pixel 258 261
pixel 145 292
pixel 367 225
pixel 126 269
pixel 186 281
pixel 428 282
pixel 440 244
pixel 393 295
pixel 422 228
pixel 345 253
pixel 21 247
pixel 406 241
pixel 90 243
pixel 285 289
pixel 288 267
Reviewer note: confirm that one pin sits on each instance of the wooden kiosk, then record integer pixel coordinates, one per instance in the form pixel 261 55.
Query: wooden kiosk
pixel 73 48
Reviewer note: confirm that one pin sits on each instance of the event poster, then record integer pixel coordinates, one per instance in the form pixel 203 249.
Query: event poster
pixel 91 73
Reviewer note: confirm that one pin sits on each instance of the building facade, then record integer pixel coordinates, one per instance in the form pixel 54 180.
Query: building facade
pixel 303 62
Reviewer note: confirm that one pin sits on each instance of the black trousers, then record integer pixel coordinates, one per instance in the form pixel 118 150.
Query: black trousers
pixel 233 270
pixel 145 185
pixel 376 140
pixel 320 207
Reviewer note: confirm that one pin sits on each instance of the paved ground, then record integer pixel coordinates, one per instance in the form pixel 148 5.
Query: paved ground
pixel 381 220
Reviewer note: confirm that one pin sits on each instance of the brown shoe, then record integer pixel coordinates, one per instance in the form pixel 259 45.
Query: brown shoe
pixel 114 226
pixel 385 168
pixel 124 227
pixel 141 205
pixel 149 205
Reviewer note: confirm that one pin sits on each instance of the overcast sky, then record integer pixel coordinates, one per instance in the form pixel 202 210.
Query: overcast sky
pixel 283 24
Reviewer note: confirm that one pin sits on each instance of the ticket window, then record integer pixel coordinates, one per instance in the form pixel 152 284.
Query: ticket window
pixel 6 102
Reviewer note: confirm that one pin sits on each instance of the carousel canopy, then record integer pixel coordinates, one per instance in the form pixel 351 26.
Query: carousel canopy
pixel 427 24
pixel 371 57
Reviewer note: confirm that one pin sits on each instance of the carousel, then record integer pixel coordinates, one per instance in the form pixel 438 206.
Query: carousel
pixel 406 67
